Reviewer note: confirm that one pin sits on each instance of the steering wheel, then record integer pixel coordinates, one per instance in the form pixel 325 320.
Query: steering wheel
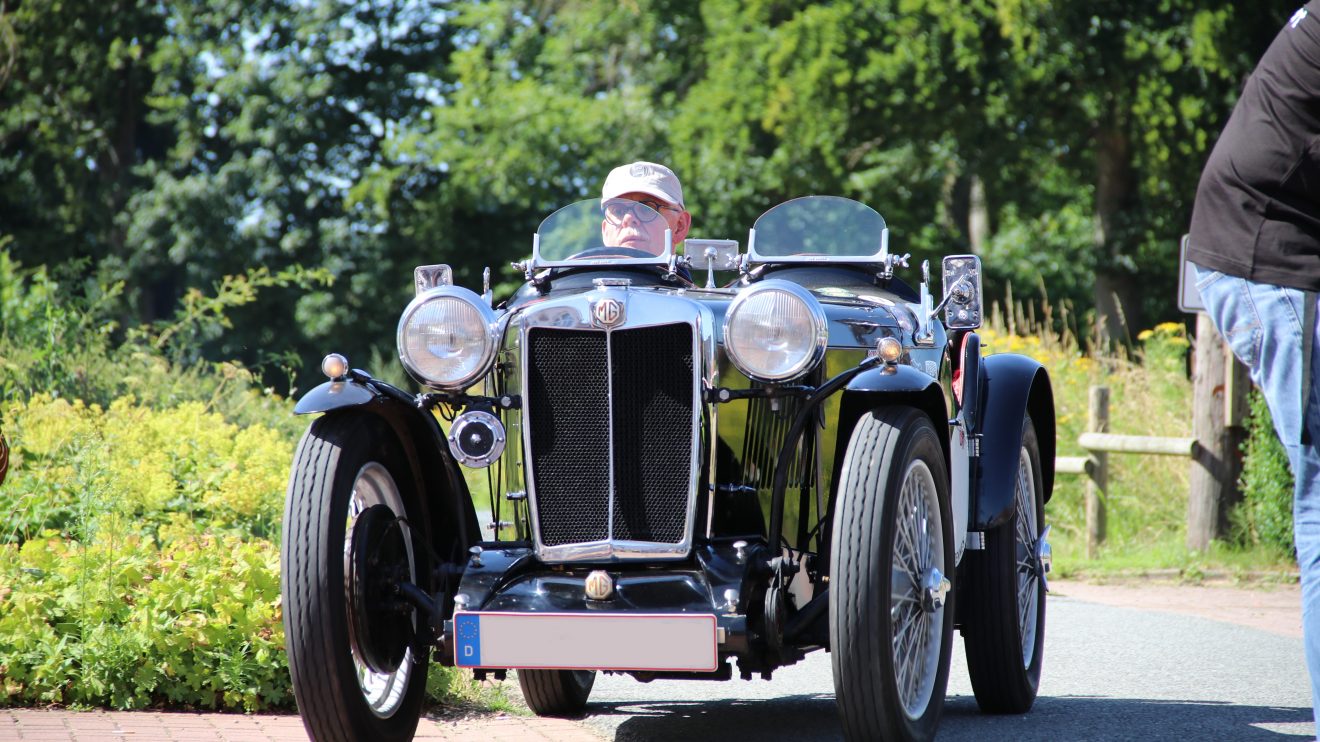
pixel 612 252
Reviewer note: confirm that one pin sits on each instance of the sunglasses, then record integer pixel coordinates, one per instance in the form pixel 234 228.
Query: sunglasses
pixel 618 209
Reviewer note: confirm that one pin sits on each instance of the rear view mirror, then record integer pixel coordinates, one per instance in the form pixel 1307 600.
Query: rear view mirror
pixel 711 256
pixel 963 295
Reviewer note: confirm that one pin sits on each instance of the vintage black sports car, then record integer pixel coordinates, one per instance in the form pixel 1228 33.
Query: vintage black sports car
pixel 685 481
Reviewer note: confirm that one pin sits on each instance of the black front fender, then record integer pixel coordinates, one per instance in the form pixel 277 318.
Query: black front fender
pixel 1012 387
pixel 885 386
pixel 890 379
pixel 452 516
pixel 334 395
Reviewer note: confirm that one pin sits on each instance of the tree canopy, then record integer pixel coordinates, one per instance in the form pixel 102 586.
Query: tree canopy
pixel 170 144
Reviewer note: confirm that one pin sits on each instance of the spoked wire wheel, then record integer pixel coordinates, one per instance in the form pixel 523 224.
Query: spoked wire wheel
pixel 918 564
pixel 1026 531
pixel 1004 629
pixel 891 611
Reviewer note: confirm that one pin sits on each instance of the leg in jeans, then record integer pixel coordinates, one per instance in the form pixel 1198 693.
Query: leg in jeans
pixel 1306 526
pixel 1263 326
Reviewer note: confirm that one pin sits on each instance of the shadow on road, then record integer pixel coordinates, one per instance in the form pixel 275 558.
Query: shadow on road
pixel 813 717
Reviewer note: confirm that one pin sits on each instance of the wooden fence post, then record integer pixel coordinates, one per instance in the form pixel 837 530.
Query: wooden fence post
pixel 1097 421
pixel 1218 396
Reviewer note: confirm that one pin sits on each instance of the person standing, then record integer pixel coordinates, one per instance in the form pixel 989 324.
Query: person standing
pixel 1255 242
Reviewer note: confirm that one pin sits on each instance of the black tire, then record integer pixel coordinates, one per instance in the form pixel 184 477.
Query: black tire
pixel 1004 633
pixel 894 482
pixel 556 692
pixel 356 674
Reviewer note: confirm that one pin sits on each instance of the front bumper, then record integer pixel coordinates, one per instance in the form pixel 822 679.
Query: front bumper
pixel 688 617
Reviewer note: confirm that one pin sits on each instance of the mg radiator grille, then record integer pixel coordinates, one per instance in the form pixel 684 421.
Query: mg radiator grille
pixel 652 432
pixel 570 434
pixel 648 394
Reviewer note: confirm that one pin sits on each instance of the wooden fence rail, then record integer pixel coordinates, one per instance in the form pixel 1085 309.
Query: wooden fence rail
pixel 1219 408
pixel 1095 467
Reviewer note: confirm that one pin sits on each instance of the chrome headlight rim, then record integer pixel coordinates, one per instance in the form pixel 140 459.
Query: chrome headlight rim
pixel 820 332
pixel 491 340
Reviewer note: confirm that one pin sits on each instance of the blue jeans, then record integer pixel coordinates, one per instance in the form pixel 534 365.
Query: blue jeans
pixel 1263 325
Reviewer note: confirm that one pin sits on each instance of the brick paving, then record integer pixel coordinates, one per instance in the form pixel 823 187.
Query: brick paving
pixel 158 726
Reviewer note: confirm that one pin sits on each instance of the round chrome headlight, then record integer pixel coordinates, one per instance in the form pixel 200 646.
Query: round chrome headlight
pixel 447 337
pixel 775 331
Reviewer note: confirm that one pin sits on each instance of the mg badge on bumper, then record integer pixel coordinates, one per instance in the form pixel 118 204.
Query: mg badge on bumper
pixel 600 586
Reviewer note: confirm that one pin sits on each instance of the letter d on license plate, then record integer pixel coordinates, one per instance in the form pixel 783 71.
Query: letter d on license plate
pixel 577 641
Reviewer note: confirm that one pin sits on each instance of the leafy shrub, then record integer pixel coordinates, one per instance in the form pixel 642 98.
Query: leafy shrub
pixel 1264 517
pixel 127 622
pixel 138 563
pixel 138 567
pixel 59 335
pixel 74 463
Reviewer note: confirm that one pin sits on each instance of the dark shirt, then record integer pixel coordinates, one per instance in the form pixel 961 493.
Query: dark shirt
pixel 1257 211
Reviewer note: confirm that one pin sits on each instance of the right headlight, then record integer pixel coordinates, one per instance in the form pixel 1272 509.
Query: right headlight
pixel 775 331
pixel 447 337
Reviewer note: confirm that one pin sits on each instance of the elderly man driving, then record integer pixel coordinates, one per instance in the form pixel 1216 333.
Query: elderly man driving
pixel 657 189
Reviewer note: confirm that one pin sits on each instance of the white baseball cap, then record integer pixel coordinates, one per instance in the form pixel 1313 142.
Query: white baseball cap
pixel 643 177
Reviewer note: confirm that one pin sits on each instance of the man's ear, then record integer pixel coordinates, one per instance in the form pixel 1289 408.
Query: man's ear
pixel 684 224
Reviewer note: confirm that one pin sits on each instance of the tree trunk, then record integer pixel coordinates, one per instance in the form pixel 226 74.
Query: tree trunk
pixel 978 216
pixel 1116 306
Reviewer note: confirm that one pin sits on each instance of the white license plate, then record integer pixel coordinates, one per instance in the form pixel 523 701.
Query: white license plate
pixel 577 641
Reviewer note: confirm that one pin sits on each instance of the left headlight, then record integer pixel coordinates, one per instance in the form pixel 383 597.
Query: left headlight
pixel 775 331
pixel 447 337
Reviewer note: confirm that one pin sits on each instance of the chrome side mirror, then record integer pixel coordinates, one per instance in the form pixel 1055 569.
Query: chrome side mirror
pixel 963 295
pixel 427 277
pixel 711 256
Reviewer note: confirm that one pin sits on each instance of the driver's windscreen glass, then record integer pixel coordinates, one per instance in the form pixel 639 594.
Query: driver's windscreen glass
pixel 612 230
pixel 819 225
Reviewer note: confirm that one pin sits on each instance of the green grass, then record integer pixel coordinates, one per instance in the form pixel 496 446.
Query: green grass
pixel 1150 393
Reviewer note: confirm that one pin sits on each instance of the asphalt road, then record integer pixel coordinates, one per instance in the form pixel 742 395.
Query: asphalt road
pixel 1110 674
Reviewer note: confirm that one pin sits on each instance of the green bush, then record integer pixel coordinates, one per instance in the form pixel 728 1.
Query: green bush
pixel 59 335
pixel 1264 518
pixel 139 564
pixel 74 464
pixel 127 622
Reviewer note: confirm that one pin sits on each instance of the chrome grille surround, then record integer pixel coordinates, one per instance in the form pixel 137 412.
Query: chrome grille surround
pixel 642 308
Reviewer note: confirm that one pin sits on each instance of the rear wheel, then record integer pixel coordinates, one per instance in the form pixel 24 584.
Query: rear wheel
pixel 556 692
pixel 1005 632
pixel 352 528
pixel 891 612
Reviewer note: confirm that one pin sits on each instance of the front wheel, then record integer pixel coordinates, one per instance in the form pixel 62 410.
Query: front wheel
pixel 556 692
pixel 352 528
pixel 891 612
pixel 1004 634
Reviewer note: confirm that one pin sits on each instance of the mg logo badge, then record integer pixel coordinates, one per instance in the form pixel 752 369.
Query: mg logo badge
pixel 607 312
pixel 599 585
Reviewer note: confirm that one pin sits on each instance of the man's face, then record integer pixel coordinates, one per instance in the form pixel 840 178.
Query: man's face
pixel 629 227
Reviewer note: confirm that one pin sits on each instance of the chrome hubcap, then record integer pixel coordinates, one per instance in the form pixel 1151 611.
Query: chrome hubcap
pixel 934 589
